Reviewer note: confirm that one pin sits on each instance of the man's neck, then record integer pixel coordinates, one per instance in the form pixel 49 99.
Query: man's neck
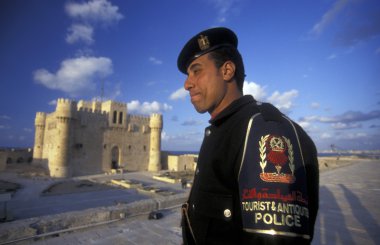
pixel 229 98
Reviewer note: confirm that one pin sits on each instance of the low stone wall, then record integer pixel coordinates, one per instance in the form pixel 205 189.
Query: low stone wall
pixel 166 179
pixel 15 156
pixel 329 163
pixel 50 223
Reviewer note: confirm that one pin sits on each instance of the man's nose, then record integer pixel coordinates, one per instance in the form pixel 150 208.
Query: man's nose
pixel 188 84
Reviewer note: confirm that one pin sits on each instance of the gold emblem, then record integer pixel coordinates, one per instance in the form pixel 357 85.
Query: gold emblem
pixel 203 42
pixel 278 151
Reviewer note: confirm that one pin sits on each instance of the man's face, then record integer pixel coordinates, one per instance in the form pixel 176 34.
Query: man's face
pixel 205 84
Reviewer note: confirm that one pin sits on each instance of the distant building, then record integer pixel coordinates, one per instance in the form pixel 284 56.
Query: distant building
pixel 83 138
pixel 14 156
pixel 186 162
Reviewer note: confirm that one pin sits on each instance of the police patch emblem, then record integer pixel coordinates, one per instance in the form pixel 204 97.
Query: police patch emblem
pixel 277 150
pixel 272 180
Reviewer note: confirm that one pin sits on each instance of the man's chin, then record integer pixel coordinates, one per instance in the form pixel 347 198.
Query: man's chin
pixel 200 110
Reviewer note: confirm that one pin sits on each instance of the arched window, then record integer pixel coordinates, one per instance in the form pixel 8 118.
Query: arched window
pixel 114 117
pixel 120 117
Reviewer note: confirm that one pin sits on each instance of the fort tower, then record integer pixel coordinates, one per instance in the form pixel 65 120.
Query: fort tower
pixel 155 125
pixel 65 114
pixel 39 123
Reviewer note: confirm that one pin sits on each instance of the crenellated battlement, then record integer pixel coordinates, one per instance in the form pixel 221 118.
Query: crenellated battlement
pixel 156 115
pixel 138 119
pixel 66 108
pixel 40 119
pixel 40 114
pixel 115 103
pixel 64 101
pixel 110 105
pixel 90 110
pixel 156 121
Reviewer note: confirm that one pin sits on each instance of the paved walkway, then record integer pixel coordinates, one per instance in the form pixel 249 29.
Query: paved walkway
pixel 349 214
pixel 28 201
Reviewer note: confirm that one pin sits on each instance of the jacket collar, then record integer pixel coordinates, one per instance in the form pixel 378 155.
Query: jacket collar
pixel 231 109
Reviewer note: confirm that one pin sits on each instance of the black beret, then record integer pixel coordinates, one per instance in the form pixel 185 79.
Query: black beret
pixel 204 42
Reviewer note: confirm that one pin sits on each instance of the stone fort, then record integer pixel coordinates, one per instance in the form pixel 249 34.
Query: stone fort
pixel 92 137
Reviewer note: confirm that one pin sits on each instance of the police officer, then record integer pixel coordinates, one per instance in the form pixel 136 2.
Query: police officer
pixel 257 175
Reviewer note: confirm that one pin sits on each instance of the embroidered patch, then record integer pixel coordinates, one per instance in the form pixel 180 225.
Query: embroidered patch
pixel 277 150
pixel 272 180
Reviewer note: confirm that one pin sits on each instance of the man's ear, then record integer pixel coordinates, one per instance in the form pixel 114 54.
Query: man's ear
pixel 228 70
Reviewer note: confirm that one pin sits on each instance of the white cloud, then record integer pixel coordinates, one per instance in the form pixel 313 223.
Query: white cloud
pixel 254 89
pixel 75 75
pixel 340 125
pixel 283 101
pixel 117 91
pixel 164 136
pixel 356 135
pixel 147 108
pixel 191 122
pixel 179 94
pixel 304 124
pixel 155 61
pixel 151 83
pixel 187 140
pixel 84 51
pixel 347 117
pixel 328 17
pixel 5 117
pixel 315 105
pixel 29 130
pixel 326 136
pixel 52 102
pixel 224 9
pixel 95 11
pixel 79 32
pixel 331 57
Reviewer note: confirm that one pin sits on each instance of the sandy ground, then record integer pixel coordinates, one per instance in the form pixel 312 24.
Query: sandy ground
pixel 53 187
pixel 57 186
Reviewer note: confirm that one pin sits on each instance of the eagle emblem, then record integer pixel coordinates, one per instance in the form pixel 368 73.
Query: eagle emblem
pixel 203 42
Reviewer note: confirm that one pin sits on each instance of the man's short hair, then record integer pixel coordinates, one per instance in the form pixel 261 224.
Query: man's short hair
pixel 221 55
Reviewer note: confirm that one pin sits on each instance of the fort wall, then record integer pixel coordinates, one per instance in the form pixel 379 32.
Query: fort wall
pixel 81 138
pixel 15 156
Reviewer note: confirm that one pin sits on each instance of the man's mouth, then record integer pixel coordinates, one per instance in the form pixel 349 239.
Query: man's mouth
pixel 195 96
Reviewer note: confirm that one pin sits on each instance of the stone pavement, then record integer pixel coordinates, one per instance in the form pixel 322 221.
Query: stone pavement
pixel 28 201
pixel 348 214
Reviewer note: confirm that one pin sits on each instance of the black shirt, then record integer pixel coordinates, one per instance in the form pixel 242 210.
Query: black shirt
pixel 214 205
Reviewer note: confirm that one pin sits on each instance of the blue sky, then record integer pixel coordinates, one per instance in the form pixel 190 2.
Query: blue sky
pixel 318 61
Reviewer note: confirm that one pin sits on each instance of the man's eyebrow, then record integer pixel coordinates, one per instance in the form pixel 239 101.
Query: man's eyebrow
pixel 194 66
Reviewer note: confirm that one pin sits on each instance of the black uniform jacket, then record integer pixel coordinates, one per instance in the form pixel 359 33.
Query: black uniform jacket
pixel 214 215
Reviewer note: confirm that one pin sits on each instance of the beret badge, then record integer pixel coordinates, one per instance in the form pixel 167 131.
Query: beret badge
pixel 203 42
